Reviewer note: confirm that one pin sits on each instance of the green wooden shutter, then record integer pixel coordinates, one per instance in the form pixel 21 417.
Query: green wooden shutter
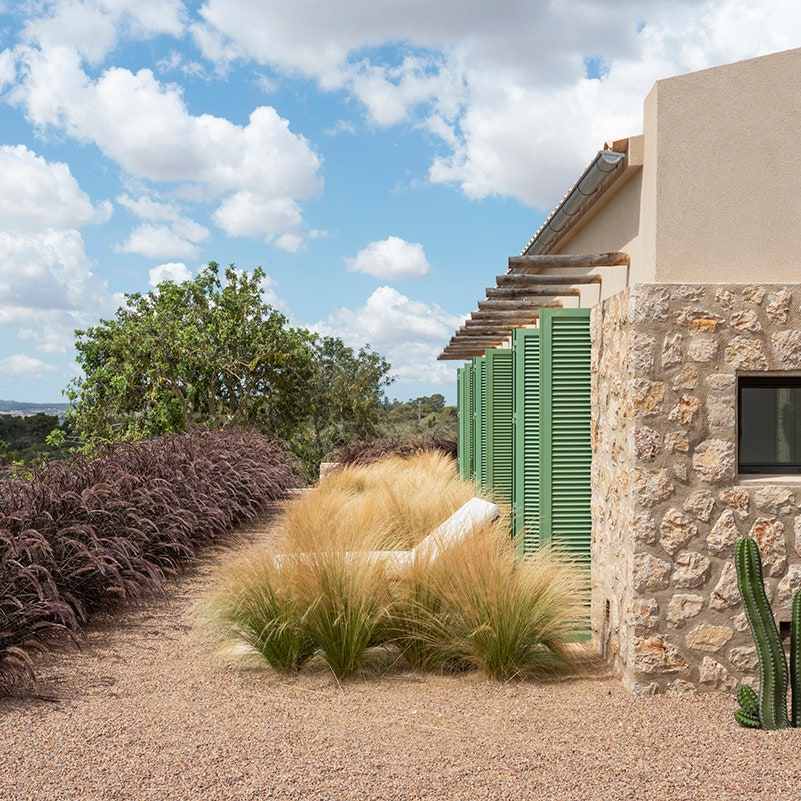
pixel 461 445
pixel 480 420
pixel 466 421
pixel 499 423
pixel 527 436
pixel 566 451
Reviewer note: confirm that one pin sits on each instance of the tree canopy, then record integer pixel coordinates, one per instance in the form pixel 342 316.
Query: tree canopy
pixel 211 352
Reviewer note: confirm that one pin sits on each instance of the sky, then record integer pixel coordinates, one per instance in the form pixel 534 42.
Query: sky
pixel 380 160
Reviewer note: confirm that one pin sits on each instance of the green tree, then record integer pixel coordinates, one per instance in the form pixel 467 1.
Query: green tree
pixel 420 417
pixel 210 352
pixel 343 396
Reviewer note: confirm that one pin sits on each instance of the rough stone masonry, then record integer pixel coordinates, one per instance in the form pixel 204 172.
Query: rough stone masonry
pixel 667 502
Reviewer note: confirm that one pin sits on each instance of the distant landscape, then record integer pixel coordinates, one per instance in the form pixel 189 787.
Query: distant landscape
pixel 23 409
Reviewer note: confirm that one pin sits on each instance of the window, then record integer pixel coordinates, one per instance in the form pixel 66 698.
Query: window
pixel 769 424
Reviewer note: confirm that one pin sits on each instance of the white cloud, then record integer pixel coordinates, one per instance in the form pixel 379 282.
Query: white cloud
pixel 408 333
pixel 50 339
pixel 20 365
pixel 507 88
pixel 158 242
pixel 177 272
pixel 8 69
pixel 252 214
pixel 46 271
pixel 391 259
pixel 48 289
pixel 168 232
pixel 92 27
pixel 260 170
pixel 36 194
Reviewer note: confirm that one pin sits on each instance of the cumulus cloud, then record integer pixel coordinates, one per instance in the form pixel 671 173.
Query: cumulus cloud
pixel 408 333
pixel 177 272
pixel 158 242
pixel 48 289
pixel 170 235
pixel 46 271
pixel 20 365
pixel 36 194
pixel 146 128
pixel 391 259
pixel 92 27
pixel 522 98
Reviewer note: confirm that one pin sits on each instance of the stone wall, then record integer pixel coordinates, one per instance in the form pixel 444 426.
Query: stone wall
pixel 667 503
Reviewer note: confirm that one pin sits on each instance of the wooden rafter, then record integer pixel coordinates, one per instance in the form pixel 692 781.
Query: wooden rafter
pixel 530 265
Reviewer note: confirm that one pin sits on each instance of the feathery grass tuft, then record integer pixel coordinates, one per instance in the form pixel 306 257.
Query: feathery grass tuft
pixel 477 606
pixel 347 610
pixel 260 608
pixel 473 606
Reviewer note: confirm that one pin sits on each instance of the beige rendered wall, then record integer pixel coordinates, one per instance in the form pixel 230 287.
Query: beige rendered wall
pixel 725 144
pixel 613 226
pixel 717 196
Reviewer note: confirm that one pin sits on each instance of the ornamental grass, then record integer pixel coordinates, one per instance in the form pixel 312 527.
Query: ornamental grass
pixel 478 606
pixel 390 504
pixel 84 536
pixel 475 605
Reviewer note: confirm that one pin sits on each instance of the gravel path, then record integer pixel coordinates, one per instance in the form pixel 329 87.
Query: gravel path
pixel 147 711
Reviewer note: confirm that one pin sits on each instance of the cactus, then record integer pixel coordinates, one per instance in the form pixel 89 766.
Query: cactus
pixel 795 661
pixel 772 662
pixel 748 713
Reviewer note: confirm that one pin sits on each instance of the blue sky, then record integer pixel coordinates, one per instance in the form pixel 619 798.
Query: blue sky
pixel 380 160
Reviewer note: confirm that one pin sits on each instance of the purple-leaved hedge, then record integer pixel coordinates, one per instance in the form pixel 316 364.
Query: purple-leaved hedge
pixel 81 536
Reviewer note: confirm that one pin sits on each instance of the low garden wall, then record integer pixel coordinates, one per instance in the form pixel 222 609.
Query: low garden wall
pixel 667 502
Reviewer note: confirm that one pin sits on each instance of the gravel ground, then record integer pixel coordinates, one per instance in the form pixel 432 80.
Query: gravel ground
pixel 147 711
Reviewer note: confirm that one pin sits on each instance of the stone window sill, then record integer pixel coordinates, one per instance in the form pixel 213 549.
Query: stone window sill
pixel 751 479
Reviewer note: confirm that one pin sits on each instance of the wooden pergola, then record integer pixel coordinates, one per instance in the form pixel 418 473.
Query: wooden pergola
pixel 516 299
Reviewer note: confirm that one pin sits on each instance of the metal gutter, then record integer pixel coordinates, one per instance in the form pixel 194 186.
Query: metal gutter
pixel 604 169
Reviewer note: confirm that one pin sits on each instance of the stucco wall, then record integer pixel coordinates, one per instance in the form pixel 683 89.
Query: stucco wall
pixel 667 502
pixel 716 198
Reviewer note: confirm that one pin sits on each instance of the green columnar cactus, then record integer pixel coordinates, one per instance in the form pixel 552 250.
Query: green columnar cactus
pixel 772 662
pixel 795 661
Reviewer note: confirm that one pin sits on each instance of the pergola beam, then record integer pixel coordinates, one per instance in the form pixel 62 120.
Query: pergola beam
pixel 523 279
pixel 530 292
pixel 519 304
pixel 589 261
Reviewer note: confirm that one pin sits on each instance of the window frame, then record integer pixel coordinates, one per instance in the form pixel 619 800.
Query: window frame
pixel 784 380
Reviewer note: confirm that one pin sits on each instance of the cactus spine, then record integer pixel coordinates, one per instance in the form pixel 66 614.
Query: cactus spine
pixel 772 662
pixel 795 661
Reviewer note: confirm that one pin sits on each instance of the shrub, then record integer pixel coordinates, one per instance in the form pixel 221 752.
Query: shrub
pixel 346 606
pixel 260 608
pixel 370 451
pixel 475 605
pixel 85 535
pixel 393 503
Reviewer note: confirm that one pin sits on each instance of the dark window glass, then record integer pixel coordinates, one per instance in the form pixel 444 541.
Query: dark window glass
pixel 769 424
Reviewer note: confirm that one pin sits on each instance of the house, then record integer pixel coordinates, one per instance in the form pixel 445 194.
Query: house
pixel 639 367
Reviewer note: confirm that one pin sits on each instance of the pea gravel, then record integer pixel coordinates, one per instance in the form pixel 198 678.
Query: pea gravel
pixel 147 710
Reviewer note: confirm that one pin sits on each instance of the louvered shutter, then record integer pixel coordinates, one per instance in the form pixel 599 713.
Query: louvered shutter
pixel 480 420
pixel 527 436
pixel 462 449
pixel 499 423
pixel 566 453
pixel 466 424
